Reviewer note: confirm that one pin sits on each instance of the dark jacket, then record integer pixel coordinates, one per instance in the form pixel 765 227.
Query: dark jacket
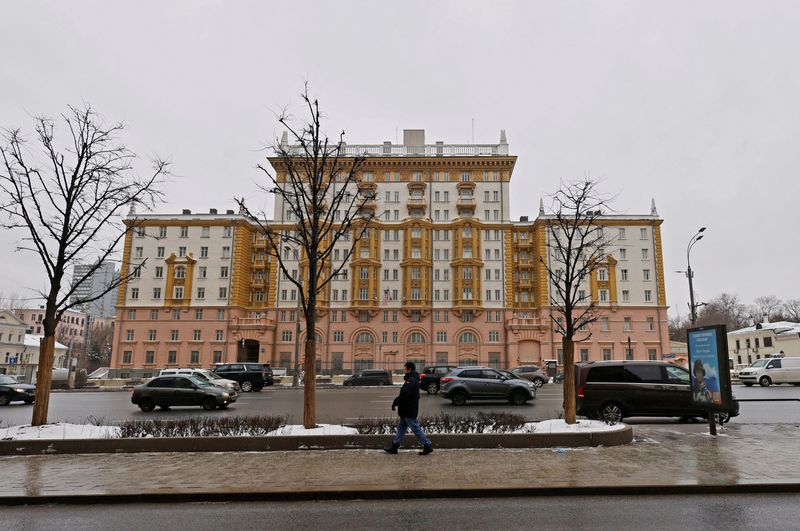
pixel 407 402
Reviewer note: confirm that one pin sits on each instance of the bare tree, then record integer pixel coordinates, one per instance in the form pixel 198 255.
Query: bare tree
pixel 725 308
pixel 12 301
pixel 576 245
pixel 98 347
pixel 67 197
pixel 314 181
pixel 767 306
pixel 791 310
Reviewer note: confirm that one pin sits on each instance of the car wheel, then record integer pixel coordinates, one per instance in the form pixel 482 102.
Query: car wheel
pixel 611 412
pixel 4 400
pixel 257 388
pixel 163 408
pixel 459 398
pixel 380 384
pixel 147 404
pixel 538 382
pixel 209 403
pixel 247 386
pixel 223 406
pixel 433 388
pixel 28 401
pixel 764 381
pixel 518 398
pixel 748 384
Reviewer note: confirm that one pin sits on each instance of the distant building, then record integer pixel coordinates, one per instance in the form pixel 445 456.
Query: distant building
pixel 752 343
pixel 12 342
pixel 71 331
pixel 443 276
pixel 105 275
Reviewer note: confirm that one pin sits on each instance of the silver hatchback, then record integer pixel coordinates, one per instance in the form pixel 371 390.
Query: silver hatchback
pixel 484 383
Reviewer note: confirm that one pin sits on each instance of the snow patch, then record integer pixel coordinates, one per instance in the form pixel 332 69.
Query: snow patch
pixel 321 429
pixel 560 426
pixel 59 430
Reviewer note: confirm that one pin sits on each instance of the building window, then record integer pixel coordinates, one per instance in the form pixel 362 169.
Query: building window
pixel 645 274
pixel 217 356
pixel 180 272
pixel 223 293
pixel 219 336
pixel 604 324
pixel 626 296
pixel 226 252
pixel 652 354
pixel 131 314
pixel 198 314
pixel 151 335
pixel 127 356
pixel 606 354
pixel 468 338
pixel 196 335
pixel 623 254
pixel 159 272
pixel 627 324
pixel 603 295
pixel 628 353
pixel 194 357
pixel 584 354
pixel 624 275
pixel 154 315
pixel 162 232
pixel 173 335
pixel 767 342
pixel 178 292
pixel 159 252
pixel 494 336
pixel 129 335
pixel 201 293
pixel 643 234
pixel 149 357
pixel 203 252
pixel 645 254
pixel 441 336
pixel 602 275
pixel 338 336
pixel 364 337
pixel 416 338
pixel 172 357
pixel 648 295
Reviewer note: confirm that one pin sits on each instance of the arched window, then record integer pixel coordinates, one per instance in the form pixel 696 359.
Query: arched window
pixel 180 272
pixel 467 337
pixel 364 337
pixel 416 337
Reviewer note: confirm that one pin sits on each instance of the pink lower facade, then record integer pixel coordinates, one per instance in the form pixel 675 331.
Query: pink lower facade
pixel 498 338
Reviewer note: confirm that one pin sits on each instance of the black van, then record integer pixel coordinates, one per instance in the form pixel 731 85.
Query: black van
pixel 370 377
pixel 612 390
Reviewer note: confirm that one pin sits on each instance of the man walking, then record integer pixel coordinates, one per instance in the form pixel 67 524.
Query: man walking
pixel 407 404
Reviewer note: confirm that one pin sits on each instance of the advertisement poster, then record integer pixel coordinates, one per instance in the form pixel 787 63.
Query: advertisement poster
pixel 708 368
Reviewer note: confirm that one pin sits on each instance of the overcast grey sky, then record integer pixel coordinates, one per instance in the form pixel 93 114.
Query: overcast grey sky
pixel 696 104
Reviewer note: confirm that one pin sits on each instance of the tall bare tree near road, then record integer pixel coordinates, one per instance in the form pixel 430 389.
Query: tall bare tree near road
pixel 322 191
pixel 576 247
pixel 66 196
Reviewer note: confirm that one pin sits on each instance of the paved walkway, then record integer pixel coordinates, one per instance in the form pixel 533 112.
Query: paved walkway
pixel 665 456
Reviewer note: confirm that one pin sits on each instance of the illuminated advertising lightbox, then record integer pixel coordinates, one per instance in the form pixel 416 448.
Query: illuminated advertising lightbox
pixel 709 373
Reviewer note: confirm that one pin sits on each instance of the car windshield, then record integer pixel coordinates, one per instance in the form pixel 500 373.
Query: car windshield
pixel 213 376
pixel 201 376
pixel 7 380
pixel 508 374
pixel 759 363
pixel 199 382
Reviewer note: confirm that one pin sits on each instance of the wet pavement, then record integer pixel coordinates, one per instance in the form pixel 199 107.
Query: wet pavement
pixel 660 456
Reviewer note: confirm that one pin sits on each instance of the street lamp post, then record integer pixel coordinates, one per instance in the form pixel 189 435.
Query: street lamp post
pixel 689 274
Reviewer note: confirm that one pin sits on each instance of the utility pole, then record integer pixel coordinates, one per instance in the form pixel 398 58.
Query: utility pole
pixel 689 274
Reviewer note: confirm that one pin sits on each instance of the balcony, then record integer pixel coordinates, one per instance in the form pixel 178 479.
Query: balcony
pixel 526 323
pixel 466 202
pixel 252 323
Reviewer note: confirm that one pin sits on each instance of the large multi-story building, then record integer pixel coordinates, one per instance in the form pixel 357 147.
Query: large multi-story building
pixel 442 275
pixel 97 282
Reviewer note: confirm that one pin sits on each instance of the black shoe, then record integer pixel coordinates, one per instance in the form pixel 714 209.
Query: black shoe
pixel 391 449
pixel 426 450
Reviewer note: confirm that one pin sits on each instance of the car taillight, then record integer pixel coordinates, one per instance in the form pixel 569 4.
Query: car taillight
pixel 580 391
pixel 446 379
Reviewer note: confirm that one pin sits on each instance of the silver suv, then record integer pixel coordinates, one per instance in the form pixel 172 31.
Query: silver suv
pixel 484 383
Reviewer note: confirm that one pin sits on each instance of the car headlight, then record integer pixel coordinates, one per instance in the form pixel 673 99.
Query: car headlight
pixel 19 390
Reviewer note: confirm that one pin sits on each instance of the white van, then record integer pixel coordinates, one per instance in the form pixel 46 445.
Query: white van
pixel 772 371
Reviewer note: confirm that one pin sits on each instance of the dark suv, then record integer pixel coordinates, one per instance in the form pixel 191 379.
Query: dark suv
pixel 484 383
pixel 369 377
pixel 429 377
pixel 612 390
pixel 251 376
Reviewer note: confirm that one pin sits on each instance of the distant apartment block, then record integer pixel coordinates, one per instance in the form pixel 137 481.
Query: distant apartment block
pixel 104 276
pixel 442 275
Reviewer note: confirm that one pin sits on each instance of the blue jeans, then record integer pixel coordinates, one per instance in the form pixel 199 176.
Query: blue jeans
pixel 410 422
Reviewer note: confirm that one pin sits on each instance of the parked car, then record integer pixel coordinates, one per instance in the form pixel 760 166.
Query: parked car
pixel 532 373
pixel 613 390
pixel 251 376
pixel 204 374
pixel 773 370
pixel 181 390
pixel 429 377
pixel 484 383
pixel 13 391
pixel 370 377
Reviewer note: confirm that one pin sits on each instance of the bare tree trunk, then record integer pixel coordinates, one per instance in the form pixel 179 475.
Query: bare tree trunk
pixel 44 379
pixel 310 387
pixel 569 380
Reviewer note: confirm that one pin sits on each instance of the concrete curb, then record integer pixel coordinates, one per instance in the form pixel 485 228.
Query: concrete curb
pixel 307 495
pixel 314 442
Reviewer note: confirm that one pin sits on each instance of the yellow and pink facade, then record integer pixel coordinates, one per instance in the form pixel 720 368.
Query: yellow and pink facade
pixel 441 275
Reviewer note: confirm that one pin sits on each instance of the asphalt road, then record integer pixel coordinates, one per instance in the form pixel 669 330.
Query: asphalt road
pixel 340 405
pixel 772 511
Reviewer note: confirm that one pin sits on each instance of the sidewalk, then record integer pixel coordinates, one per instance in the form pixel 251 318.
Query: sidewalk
pixel 663 458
